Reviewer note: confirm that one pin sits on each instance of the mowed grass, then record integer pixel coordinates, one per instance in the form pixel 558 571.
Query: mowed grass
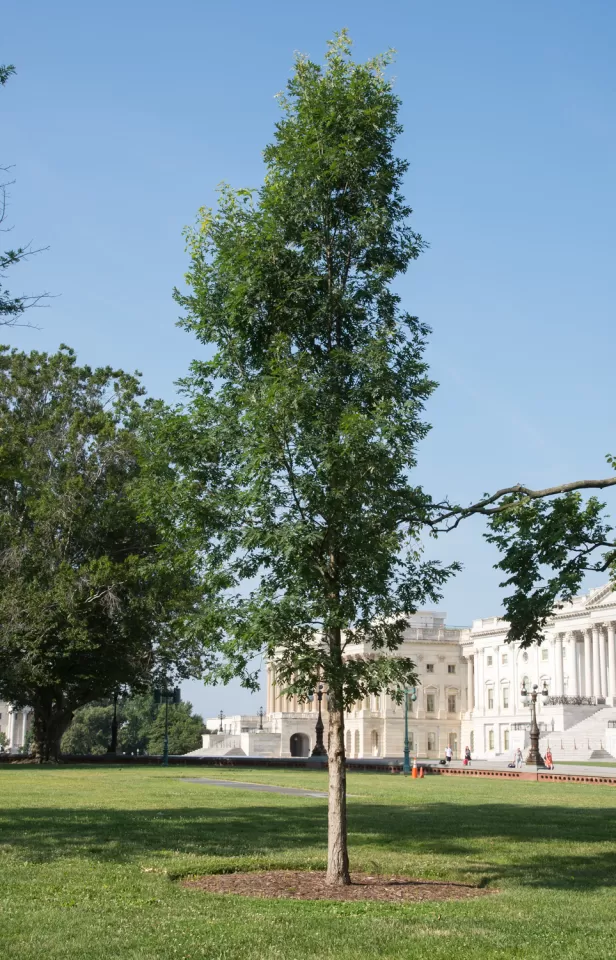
pixel 92 858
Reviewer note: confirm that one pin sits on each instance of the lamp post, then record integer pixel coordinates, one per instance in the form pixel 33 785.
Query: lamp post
pixel 406 767
pixel 166 695
pixel 260 718
pixel 534 758
pixel 221 717
pixel 319 749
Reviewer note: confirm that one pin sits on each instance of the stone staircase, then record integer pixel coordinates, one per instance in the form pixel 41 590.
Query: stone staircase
pixel 584 740
pixel 224 746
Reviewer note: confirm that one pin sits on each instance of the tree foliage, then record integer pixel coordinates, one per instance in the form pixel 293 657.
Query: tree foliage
pixel 315 394
pixel 94 587
pixel 141 726
pixel 547 547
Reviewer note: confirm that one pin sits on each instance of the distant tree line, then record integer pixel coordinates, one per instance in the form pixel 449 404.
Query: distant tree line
pixel 141 728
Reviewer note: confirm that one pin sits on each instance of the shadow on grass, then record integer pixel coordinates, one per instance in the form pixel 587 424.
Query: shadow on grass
pixel 491 842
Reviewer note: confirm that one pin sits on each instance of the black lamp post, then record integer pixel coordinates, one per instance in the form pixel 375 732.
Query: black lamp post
pixel 221 717
pixel 534 758
pixel 406 766
pixel 319 748
pixel 166 695
pixel 260 718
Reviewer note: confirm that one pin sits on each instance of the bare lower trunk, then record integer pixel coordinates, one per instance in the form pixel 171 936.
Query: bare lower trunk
pixel 51 721
pixel 337 846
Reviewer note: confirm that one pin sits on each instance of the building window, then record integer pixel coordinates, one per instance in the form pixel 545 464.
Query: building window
pixel 412 742
pixel 430 703
pixel 451 668
pixel 544 653
pixel 357 750
pixel 525 657
pixel 348 743
pixel 429 668
pixel 489 661
pixel 490 739
pixel 451 703
pixel 504 658
pixel 375 743
pixel 490 698
pixel 472 741
pixel 505 697
pixel 431 742
pixel 505 739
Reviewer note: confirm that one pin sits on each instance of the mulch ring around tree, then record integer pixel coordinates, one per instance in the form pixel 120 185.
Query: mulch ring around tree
pixel 310 885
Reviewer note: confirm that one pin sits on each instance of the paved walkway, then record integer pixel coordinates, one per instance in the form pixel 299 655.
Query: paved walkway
pixel 257 787
pixel 579 769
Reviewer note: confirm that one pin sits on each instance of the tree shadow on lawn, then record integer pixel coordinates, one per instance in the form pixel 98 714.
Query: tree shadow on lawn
pixel 487 842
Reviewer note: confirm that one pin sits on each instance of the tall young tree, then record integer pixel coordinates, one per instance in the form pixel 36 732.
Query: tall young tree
pixel 97 582
pixel 315 394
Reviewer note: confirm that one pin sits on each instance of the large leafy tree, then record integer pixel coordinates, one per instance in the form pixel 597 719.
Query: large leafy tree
pixel 96 585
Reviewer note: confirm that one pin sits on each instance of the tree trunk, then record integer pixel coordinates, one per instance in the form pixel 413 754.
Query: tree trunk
pixel 51 720
pixel 337 844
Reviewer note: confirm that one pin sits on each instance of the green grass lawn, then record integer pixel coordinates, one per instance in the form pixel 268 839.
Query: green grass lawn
pixel 91 859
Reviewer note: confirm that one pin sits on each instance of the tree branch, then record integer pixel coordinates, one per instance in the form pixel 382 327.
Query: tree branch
pixel 484 507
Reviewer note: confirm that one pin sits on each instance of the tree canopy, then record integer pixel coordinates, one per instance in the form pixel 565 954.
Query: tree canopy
pixel 95 587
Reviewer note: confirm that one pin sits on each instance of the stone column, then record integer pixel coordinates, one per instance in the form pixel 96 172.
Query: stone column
pixel 587 663
pixel 596 666
pixel 480 683
pixel 602 663
pixel 558 666
pixel 470 681
pixel 13 731
pixel 611 662
pixel 574 683
pixel 9 729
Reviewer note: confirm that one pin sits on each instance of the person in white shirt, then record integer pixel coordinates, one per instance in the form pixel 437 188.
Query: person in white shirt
pixel 448 754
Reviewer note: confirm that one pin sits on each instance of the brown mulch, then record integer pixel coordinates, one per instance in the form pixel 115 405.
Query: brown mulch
pixel 310 885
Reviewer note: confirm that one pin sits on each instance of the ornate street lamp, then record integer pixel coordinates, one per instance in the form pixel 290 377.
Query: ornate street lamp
pixel 412 693
pixel 319 749
pixel 221 717
pixel 534 758
pixel 166 695
pixel 260 718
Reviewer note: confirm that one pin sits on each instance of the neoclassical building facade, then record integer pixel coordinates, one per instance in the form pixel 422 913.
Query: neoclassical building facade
pixel 469 692
pixel 14 724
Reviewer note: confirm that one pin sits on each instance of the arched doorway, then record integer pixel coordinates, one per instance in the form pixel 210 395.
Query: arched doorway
pixel 299 745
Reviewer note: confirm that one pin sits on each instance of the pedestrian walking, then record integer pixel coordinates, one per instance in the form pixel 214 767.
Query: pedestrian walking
pixel 519 759
pixel 448 754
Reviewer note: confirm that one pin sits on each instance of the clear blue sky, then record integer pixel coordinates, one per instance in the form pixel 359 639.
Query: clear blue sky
pixel 124 116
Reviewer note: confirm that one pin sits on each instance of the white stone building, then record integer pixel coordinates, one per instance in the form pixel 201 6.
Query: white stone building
pixel 468 694
pixel 14 724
